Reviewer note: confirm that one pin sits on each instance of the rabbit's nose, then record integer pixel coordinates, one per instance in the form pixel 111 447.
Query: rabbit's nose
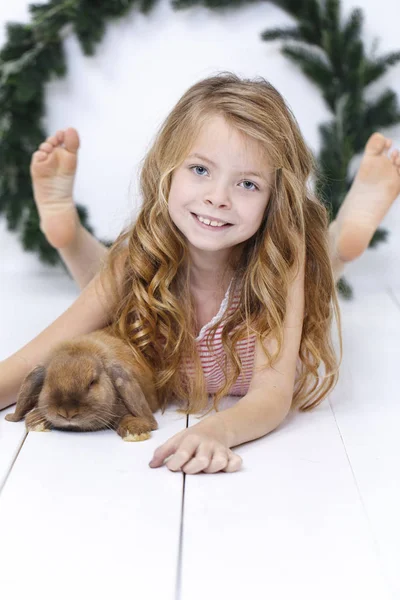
pixel 67 413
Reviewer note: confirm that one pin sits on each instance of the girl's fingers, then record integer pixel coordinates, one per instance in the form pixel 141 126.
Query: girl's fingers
pixel 197 464
pixel 218 462
pixel 194 454
pixel 235 462
pixel 186 450
pixel 164 451
pixel 201 460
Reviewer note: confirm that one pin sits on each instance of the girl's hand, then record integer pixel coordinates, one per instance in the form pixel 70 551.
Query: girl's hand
pixel 202 447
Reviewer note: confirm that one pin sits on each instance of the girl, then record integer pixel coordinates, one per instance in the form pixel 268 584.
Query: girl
pixel 230 261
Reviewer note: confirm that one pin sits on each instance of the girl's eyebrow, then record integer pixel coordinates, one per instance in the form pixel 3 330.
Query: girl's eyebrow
pixel 253 173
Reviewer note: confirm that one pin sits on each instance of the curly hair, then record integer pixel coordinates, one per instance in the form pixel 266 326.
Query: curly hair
pixel 153 309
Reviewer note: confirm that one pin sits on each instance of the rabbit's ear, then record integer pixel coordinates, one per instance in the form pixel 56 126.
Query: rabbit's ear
pixel 28 394
pixel 130 391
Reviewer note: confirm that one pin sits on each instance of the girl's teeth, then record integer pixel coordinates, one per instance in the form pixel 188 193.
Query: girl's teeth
pixel 212 223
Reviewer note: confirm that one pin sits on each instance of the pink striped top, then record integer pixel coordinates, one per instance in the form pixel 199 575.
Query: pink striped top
pixel 209 360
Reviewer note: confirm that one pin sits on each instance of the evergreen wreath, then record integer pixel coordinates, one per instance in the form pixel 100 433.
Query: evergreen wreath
pixel 330 53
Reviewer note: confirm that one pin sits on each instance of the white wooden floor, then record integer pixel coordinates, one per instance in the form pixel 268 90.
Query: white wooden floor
pixel 314 512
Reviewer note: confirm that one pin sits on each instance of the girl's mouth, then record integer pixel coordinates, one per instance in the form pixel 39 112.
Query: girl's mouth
pixel 210 227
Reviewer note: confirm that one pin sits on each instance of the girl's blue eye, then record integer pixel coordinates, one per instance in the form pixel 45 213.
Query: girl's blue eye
pixel 197 167
pixel 200 167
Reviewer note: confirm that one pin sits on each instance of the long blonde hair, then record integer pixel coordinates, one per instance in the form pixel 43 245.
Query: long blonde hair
pixel 153 308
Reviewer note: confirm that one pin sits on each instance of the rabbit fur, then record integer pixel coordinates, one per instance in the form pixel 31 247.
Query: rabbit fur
pixel 89 383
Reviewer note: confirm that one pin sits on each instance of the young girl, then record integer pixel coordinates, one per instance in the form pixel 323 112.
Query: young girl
pixel 229 262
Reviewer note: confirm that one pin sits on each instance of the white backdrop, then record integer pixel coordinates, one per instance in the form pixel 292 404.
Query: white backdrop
pixel 118 98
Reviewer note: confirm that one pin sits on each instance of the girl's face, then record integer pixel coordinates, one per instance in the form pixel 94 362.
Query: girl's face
pixel 231 182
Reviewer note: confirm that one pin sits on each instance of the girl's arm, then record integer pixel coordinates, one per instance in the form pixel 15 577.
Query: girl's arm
pixel 90 311
pixel 270 394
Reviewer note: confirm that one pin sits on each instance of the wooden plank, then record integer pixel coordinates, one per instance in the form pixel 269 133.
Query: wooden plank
pixel 367 411
pixel 84 511
pixel 294 521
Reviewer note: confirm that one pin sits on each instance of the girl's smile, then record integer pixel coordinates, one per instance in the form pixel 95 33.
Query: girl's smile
pixel 210 227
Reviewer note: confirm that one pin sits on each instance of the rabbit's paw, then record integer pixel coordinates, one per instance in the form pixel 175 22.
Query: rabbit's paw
pixel 34 421
pixel 134 429
pixel 136 437
pixel 13 418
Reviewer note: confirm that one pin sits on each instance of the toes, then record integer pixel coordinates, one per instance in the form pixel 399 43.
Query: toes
pixel 46 147
pixel 60 138
pixel 71 139
pixel 377 143
pixel 56 139
pixel 53 140
pixel 395 158
pixel 39 155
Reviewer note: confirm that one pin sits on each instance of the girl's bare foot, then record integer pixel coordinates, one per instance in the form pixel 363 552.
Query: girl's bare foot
pixel 52 170
pixel 375 187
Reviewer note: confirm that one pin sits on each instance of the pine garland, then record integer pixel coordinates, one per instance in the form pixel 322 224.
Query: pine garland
pixel 330 53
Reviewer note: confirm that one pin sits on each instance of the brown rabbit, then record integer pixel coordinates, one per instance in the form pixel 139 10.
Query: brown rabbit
pixel 89 383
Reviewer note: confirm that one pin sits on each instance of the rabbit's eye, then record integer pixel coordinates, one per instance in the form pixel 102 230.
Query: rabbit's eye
pixel 92 382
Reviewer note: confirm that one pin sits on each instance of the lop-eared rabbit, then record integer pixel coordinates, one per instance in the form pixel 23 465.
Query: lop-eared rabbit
pixel 89 383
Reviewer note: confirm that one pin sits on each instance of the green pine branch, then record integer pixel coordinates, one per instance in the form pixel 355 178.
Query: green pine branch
pixel 282 33
pixel 352 29
pixel 382 112
pixel 378 67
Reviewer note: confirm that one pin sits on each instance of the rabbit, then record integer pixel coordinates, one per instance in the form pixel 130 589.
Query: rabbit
pixel 89 383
